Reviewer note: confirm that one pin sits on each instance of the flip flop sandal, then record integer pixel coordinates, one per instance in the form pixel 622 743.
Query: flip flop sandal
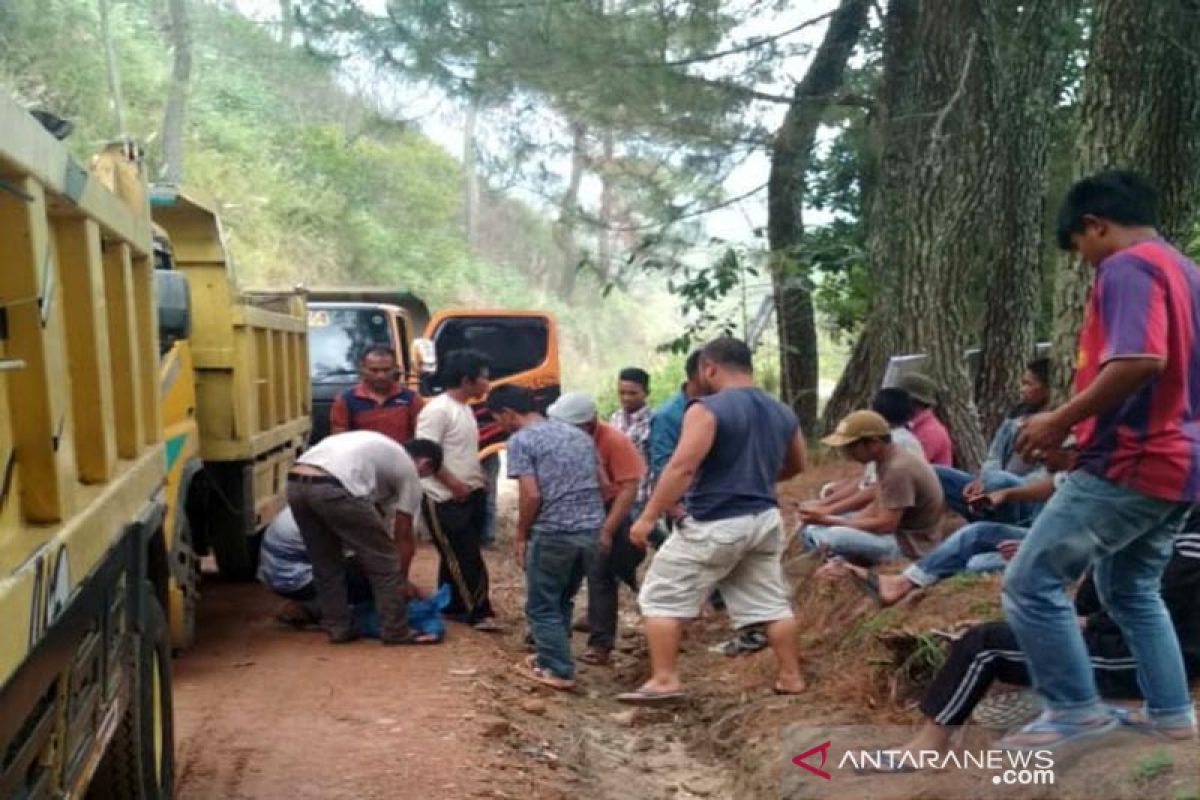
pixel 869 585
pixel 488 626
pixel 1004 711
pixel 413 638
pixel 1138 721
pixel 543 677
pixel 1061 733
pixel 597 658
pixel 646 697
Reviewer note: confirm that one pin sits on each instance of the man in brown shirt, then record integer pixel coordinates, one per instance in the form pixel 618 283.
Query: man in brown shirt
pixel 904 518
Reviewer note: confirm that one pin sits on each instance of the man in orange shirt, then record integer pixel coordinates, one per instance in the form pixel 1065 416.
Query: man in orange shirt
pixel 621 470
pixel 380 403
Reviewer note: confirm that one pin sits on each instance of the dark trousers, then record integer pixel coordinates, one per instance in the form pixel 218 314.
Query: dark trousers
pixel 457 527
pixel 358 590
pixel 989 652
pixel 555 566
pixel 332 520
pixel 604 579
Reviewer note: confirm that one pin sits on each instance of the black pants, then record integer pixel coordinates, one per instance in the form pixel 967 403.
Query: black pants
pixel 605 577
pixel 332 520
pixel 989 652
pixel 457 527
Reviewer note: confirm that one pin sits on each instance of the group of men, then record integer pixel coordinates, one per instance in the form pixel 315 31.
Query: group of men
pixel 1100 484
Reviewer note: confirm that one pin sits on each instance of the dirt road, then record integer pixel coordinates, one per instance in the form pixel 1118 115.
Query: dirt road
pixel 264 712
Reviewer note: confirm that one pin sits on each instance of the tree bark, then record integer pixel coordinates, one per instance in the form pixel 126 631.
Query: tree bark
pixel 935 185
pixel 1140 110
pixel 568 214
pixel 791 153
pixel 1029 44
pixel 471 171
pixel 177 91
pixel 111 70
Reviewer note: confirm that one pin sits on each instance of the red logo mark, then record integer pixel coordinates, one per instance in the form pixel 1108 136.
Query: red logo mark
pixel 823 749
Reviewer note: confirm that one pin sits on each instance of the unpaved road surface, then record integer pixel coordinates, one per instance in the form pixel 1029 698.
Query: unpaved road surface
pixel 265 712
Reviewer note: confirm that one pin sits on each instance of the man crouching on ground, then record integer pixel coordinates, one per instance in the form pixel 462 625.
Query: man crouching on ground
pixel 736 443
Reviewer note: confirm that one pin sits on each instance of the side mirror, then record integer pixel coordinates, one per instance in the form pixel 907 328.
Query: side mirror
pixel 174 307
pixel 425 354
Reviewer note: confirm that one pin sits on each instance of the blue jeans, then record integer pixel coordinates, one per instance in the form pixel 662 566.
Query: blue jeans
pixel 954 554
pixel 555 567
pixel 1126 537
pixel 955 480
pixel 861 547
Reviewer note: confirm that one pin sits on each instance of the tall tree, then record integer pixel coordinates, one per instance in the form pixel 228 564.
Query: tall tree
pixel 178 88
pixel 934 181
pixel 110 68
pixel 1027 45
pixel 1140 110
pixel 791 154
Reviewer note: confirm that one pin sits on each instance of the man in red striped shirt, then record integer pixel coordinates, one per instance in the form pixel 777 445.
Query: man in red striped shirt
pixel 1136 414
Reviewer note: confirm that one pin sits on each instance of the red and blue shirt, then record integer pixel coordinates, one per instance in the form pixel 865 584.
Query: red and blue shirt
pixel 394 416
pixel 1145 302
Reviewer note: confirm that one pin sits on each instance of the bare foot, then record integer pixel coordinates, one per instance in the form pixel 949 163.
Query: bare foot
pixel 831 570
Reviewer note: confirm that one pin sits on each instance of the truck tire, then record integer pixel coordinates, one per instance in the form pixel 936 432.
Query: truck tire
pixel 140 761
pixel 184 590
pixel 231 522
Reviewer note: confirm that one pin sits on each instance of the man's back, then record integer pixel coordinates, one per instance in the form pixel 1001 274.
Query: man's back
pixel 562 460
pixel 370 465
pixel 738 475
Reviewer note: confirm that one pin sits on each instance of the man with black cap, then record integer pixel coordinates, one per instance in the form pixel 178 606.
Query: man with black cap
pixel 925 425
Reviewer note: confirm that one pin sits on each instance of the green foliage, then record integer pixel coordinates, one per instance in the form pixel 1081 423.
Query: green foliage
pixel 313 184
pixel 1152 765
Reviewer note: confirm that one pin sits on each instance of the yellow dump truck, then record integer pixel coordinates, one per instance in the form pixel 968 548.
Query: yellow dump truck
pixel 85 668
pixel 235 390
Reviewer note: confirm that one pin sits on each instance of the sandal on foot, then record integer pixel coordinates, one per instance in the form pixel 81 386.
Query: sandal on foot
pixel 412 637
pixel 648 697
pixel 545 677
pixel 1139 721
pixel 596 657
pixel 488 625
pixel 1047 733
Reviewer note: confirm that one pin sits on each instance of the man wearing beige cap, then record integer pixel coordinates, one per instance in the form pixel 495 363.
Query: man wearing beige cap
pixel 904 518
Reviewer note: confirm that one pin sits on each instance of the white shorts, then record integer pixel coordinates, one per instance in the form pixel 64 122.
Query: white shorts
pixel 739 556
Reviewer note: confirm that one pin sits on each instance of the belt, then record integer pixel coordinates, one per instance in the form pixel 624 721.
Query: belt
pixel 329 480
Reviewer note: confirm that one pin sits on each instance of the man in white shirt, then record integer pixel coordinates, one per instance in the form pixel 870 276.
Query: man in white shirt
pixel 352 491
pixel 456 496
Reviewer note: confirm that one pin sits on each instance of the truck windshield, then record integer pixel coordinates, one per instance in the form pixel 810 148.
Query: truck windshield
pixel 337 337
pixel 511 344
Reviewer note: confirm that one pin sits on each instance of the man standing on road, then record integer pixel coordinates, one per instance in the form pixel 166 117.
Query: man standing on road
pixel 736 444
pixel 382 404
pixel 456 502
pixel 351 491
pixel 1136 414
pixel 634 416
pixel 622 470
pixel 559 518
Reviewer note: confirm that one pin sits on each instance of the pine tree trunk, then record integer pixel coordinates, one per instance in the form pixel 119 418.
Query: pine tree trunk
pixel 1140 110
pixel 936 179
pixel 471 171
pixel 791 153
pixel 1029 45
pixel 111 70
pixel 177 91
pixel 568 214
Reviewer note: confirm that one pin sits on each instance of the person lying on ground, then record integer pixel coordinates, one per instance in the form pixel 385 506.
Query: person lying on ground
pixel 352 491
pixel 964 549
pixel 903 520
pixel 285 568
pixel 560 515
pixel 989 652
pixel 842 497
pixel 1004 467
pixel 616 559
pixel 736 443
pixel 924 424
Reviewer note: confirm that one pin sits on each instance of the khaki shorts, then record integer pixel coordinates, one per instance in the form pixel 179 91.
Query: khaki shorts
pixel 739 556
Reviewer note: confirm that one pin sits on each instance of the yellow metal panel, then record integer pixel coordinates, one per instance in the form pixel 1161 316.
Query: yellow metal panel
pixel 126 360
pixel 146 309
pixel 262 380
pixel 28 150
pixel 82 274
pixel 290 433
pixel 28 280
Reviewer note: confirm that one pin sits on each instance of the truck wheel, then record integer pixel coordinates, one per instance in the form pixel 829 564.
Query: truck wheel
pixel 183 593
pixel 140 761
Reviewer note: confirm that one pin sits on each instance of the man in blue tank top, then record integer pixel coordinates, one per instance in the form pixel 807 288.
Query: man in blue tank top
pixel 737 442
